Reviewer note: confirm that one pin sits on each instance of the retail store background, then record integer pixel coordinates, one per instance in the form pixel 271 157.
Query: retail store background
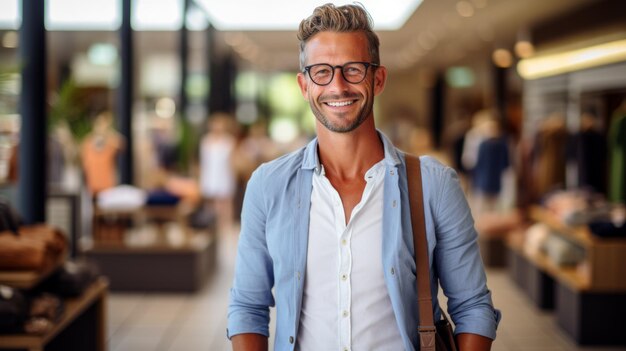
pixel 545 81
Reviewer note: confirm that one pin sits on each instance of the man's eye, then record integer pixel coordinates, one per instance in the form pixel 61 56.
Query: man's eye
pixel 353 70
pixel 321 72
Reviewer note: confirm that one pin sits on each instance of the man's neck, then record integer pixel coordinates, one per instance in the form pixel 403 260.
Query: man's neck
pixel 350 155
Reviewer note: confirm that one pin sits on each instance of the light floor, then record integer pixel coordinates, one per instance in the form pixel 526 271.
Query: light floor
pixel 180 322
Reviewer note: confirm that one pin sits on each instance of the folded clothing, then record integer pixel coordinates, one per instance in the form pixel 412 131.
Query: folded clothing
pixel 607 229
pixel 161 198
pixel 71 279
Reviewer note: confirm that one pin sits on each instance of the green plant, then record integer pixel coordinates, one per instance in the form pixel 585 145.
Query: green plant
pixel 69 107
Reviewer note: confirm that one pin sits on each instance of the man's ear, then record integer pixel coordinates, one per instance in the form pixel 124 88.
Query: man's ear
pixel 304 87
pixel 380 79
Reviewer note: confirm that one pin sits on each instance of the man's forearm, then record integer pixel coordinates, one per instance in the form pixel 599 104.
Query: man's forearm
pixel 249 342
pixel 473 342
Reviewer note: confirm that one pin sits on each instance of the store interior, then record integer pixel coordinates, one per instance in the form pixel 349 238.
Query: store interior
pixel 114 116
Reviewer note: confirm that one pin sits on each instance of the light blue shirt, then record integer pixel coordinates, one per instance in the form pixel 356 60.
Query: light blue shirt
pixel 273 245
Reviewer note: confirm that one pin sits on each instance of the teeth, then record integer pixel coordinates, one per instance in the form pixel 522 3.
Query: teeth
pixel 339 104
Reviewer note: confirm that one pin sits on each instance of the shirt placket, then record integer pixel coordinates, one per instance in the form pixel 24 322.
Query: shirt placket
pixel 345 261
pixel 344 235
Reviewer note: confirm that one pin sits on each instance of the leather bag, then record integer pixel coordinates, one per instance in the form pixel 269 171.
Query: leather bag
pixel 28 247
pixel 433 336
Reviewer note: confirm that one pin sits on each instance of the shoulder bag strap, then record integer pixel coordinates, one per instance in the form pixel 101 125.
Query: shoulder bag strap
pixel 426 325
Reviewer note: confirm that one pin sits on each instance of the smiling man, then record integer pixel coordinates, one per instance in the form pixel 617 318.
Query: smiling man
pixel 326 234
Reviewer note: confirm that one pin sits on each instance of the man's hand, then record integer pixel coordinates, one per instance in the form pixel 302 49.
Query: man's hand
pixel 249 342
pixel 473 342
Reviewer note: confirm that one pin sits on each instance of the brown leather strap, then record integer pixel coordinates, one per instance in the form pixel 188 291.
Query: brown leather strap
pixel 426 324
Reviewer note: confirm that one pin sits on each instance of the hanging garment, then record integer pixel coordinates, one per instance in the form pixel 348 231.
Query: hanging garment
pixel 617 154
pixel 492 161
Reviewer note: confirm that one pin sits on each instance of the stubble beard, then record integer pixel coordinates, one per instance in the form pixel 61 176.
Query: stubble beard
pixel 334 127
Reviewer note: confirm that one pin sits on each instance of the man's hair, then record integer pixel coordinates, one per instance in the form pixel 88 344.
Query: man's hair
pixel 342 19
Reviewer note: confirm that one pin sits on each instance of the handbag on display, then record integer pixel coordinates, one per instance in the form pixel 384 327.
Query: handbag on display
pixel 28 247
pixel 72 279
pixel 433 336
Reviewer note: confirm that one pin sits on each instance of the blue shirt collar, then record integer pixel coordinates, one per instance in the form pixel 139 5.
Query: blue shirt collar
pixel 311 158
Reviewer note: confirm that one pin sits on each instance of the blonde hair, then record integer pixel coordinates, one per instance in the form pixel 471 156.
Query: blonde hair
pixel 342 19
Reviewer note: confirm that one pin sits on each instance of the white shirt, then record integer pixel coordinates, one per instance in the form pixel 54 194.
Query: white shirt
pixel 346 305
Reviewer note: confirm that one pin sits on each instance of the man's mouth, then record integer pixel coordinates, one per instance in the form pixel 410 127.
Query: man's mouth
pixel 340 103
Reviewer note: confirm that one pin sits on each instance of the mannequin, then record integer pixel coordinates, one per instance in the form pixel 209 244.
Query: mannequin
pixel 98 153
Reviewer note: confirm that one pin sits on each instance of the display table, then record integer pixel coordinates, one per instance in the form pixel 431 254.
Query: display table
pixel 158 267
pixel 82 326
pixel 589 299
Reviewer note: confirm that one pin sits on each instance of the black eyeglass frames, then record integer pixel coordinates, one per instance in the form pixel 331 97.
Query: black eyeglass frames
pixel 352 72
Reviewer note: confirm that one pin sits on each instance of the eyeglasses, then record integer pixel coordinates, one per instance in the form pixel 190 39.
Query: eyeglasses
pixel 352 72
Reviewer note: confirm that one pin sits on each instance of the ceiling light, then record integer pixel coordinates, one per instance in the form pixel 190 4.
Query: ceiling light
pixel 573 60
pixel 524 49
pixel 287 14
pixel 465 8
pixel 502 58
pixel 165 107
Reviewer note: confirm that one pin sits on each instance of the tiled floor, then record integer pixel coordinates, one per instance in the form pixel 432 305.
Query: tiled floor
pixel 180 322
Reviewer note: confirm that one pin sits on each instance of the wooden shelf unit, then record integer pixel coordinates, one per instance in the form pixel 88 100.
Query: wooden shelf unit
pixel 28 279
pixel 605 262
pixel 95 296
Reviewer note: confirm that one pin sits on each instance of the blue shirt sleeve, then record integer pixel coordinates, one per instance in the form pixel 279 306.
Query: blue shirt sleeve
pixel 458 263
pixel 251 296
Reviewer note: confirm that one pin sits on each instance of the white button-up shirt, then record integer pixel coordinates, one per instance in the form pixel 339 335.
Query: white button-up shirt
pixel 346 305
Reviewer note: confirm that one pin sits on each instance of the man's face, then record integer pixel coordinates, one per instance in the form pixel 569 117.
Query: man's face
pixel 341 106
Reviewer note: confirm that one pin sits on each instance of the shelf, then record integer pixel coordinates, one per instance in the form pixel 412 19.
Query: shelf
pixel 74 307
pixel 579 235
pixel 28 279
pixel 156 267
pixel 567 275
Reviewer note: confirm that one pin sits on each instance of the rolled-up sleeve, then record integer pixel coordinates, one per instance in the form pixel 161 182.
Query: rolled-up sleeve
pixel 251 294
pixel 459 265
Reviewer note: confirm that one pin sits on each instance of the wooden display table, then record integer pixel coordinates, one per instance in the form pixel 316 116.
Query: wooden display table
pixel 590 298
pixel 159 267
pixel 82 326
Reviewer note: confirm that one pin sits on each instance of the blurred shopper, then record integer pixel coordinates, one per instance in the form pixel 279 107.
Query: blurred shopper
pixel 326 233
pixel 217 176
pixel 492 161
pixel 587 150
pixel 550 155
pixel 617 150
pixel 98 154
pixel 255 148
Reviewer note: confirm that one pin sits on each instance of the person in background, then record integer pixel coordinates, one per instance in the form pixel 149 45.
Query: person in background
pixel 217 177
pixel 325 232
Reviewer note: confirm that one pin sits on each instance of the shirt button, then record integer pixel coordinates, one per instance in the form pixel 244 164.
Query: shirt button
pixel 344 277
pixel 344 242
pixel 291 339
pixel 393 271
pixel 345 313
pixel 393 204
pixel 392 172
pixel 346 349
